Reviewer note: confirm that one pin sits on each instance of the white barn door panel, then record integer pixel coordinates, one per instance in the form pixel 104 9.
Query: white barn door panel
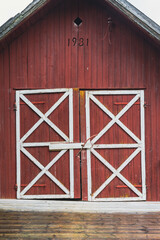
pixel 114 106
pixel 27 149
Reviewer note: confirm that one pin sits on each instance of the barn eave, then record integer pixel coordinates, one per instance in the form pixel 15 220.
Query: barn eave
pixel 141 21
pixel 12 23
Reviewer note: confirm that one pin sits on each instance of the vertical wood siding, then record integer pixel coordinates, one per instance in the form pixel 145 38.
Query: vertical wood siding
pixel 44 56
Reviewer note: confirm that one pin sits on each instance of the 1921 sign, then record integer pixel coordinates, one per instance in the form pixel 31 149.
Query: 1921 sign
pixel 77 41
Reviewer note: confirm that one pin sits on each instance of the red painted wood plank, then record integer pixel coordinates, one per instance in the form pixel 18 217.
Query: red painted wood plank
pixel 155 169
pixel 8 160
pixel 83 153
pixel 1 124
pixel 77 138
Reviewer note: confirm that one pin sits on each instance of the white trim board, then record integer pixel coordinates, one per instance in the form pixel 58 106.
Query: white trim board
pixel 79 206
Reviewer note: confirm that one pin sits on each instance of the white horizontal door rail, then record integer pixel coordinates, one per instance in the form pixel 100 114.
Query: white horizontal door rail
pixel 60 146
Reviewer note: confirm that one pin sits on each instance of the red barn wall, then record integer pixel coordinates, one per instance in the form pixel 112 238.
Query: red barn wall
pixel 44 57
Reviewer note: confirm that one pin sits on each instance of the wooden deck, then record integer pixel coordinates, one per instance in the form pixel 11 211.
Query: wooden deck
pixel 52 225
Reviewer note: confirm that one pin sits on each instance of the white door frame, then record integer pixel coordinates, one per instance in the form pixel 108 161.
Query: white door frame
pixel 90 145
pixel 21 145
pixel 139 144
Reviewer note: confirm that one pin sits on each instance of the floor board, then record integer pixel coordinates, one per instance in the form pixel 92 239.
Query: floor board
pixel 41 225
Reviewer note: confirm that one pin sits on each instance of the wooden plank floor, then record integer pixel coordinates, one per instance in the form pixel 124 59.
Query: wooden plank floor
pixel 35 225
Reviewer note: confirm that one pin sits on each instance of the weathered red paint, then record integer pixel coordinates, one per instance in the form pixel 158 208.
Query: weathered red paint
pixel 39 57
